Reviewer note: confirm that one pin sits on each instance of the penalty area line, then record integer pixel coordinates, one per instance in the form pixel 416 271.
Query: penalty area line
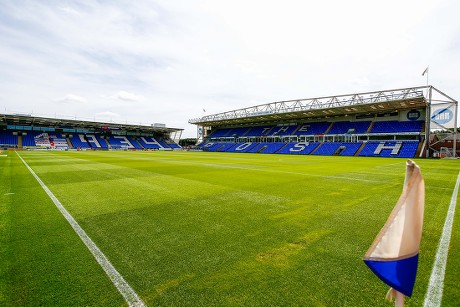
pixel 433 295
pixel 118 281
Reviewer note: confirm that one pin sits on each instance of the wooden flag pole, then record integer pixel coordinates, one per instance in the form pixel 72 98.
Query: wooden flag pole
pixel 399 302
pixel 392 294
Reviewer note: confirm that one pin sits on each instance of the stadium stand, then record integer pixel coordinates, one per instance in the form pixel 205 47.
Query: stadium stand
pixel 209 146
pixel 58 141
pixel 388 123
pixel 171 144
pixel 312 128
pixel 243 147
pixel 299 148
pixel 324 134
pixel 220 133
pixel 44 139
pixel 102 141
pixel 96 142
pixel 282 130
pixel 349 127
pixel 118 142
pixel 349 149
pixel 397 149
pixel 259 131
pixel 174 146
pixel 337 148
pixel 79 141
pixel 267 147
pixel 7 138
pixel 150 143
pixel 226 146
pixel 239 131
pixel 397 126
pixel 162 143
pixel 29 138
pixel 32 132
pixel 134 142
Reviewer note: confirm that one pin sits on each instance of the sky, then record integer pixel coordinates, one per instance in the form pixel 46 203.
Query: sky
pixel 168 61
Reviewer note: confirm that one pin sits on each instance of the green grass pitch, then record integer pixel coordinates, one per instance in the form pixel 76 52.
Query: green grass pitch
pixel 211 229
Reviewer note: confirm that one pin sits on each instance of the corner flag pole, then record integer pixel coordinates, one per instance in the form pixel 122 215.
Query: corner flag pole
pixel 399 301
pixel 397 296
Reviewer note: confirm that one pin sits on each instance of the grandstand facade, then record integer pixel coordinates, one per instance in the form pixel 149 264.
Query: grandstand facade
pixel 390 123
pixel 25 131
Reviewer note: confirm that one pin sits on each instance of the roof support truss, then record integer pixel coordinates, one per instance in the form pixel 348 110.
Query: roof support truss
pixel 329 102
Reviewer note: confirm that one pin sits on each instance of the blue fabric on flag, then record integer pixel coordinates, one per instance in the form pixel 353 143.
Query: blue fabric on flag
pixel 398 274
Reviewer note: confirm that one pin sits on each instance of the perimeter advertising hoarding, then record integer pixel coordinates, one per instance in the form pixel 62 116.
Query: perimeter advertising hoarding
pixel 104 128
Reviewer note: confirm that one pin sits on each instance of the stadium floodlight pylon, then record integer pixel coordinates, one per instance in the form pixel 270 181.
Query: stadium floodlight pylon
pixel 421 97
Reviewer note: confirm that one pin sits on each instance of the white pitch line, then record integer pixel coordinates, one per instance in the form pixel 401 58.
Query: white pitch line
pixel 118 281
pixel 433 295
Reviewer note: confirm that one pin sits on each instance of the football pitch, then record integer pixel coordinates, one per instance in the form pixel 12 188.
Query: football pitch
pixel 211 229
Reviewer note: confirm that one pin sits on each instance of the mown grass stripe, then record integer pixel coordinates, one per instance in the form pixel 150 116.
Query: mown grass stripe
pixel 119 282
pixel 433 296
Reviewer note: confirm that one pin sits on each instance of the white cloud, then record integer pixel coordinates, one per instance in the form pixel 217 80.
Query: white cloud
pixel 108 114
pixel 360 82
pixel 126 96
pixel 182 56
pixel 71 98
pixel 71 11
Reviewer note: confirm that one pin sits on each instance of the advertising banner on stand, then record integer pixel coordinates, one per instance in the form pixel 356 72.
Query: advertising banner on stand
pixel 442 116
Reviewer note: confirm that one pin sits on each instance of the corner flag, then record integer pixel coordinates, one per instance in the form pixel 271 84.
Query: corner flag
pixel 425 71
pixel 393 256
